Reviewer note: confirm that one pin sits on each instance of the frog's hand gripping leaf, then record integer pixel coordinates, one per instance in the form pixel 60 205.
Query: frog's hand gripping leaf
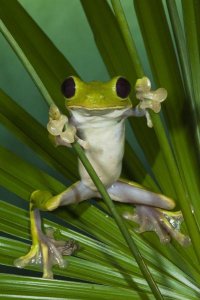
pixel 60 130
pixel 149 99
pixel 58 126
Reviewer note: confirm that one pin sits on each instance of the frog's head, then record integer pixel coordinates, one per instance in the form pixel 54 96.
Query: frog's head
pixel 95 95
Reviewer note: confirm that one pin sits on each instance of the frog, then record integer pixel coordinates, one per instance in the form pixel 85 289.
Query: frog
pixel 98 111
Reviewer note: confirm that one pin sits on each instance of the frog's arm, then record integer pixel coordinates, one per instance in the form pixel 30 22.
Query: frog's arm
pixel 139 112
pixel 148 98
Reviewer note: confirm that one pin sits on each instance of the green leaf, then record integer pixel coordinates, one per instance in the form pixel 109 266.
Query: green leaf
pixel 186 67
pixel 86 219
pixel 160 55
pixel 84 216
pixel 34 288
pixel 190 12
pixel 35 136
pixel 94 257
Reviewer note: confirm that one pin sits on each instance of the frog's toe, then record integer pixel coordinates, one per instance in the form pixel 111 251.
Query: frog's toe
pixel 166 224
pixel 31 257
pixel 47 252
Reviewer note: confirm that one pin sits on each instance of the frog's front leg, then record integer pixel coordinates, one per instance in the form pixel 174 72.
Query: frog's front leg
pixel 45 250
pixel 151 211
pixel 149 99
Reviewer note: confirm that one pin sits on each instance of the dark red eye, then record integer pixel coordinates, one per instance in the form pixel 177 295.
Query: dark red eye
pixel 68 87
pixel 123 88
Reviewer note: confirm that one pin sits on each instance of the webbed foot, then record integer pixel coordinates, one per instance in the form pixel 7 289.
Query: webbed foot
pixel 47 252
pixel 166 224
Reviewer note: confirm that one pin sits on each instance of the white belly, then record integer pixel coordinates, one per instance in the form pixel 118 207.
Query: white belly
pixel 105 151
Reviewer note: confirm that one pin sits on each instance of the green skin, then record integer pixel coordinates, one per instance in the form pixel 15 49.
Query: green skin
pixel 97 95
pixel 97 122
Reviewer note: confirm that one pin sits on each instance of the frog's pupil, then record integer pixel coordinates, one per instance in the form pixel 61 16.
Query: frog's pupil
pixel 68 87
pixel 123 87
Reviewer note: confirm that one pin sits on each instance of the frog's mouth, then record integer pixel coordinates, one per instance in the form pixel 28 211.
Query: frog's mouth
pixel 98 104
pixel 96 114
pixel 98 111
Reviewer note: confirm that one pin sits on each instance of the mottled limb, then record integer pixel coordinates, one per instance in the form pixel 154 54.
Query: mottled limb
pixel 46 250
pixel 164 223
pixel 152 210
pixel 139 112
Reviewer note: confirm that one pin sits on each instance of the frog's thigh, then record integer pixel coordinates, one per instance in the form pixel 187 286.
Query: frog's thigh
pixel 44 200
pixel 130 192
pixel 76 193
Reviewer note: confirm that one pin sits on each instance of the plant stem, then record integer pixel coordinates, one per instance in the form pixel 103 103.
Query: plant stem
pixel 133 247
pixel 184 63
pixel 25 61
pixel 127 36
pixel 192 41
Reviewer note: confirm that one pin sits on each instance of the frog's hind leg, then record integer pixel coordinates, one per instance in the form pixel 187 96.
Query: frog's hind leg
pixel 151 211
pixel 45 250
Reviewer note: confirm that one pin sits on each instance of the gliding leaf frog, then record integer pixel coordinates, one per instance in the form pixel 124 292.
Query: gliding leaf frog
pixel 98 112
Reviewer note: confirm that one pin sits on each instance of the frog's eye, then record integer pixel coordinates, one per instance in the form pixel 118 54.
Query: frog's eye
pixel 68 87
pixel 123 87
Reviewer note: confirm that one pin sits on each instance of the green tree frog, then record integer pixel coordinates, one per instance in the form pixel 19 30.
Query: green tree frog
pixel 98 112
